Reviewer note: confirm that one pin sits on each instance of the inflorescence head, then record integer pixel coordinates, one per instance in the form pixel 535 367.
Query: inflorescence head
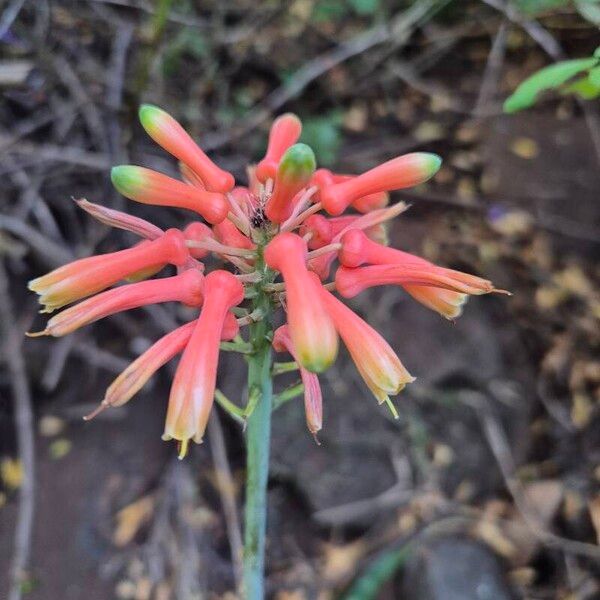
pixel 286 223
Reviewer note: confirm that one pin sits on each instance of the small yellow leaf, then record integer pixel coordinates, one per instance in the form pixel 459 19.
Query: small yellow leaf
pixel 427 131
pixel 525 148
pixel 59 448
pixel 594 508
pixel 581 410
pixel 12 473
pixel 50 425
pixel 339 561
pixel 131 518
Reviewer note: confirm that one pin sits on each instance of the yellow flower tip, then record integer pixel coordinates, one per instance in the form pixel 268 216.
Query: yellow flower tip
pixel 316 364
pixel 150 114
pixel 182 447
pixel 34 284
pixel 100 408
pixel 34 334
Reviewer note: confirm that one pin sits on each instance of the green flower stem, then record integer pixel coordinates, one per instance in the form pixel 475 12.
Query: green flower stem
pixel 287 395
pixel 234 411
pixel 284 367
pixel 258 436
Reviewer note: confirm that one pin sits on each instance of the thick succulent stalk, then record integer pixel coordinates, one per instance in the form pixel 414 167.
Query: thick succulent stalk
pixel 258 436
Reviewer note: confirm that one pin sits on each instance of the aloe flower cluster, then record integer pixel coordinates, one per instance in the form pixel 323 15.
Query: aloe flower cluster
pixel 276 241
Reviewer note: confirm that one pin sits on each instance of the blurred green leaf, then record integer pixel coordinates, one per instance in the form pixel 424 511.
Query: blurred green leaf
pixel 329 10
pixel 364 7
pixel 589 10
pixel 366 586
pixel 323 135
pixel 594 76
pixel 547 78
pixel 187 42
pixel 584 88
pixel 533 7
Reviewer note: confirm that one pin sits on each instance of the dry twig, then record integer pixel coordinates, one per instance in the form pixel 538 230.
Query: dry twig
pixel 12 339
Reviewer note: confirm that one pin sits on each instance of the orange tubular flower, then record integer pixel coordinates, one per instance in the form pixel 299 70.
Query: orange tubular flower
pixel 193 389
pixel 149 187
pixel 285 132
pixel 324 177
pixel 293 173
pixel 186 288
pixel 121 220
pixel 313 399
pixel 87 276
pixel 137 374
pixel 443 290
pixel 375 360
pixel 401 172
pixel 197 232
pixel 169 134
pixel 312 331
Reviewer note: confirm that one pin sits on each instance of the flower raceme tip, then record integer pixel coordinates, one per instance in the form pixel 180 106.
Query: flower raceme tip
pixel 293 174
pixel 286 223
pixel 285 132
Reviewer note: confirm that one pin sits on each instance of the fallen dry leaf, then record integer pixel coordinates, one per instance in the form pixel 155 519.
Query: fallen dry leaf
pixel 340 561
pixel 594 508
pixel 131 518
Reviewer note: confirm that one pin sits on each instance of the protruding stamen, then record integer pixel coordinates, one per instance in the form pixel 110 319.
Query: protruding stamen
pixel 100 408
pixel 214 246
pixel 34 334
pixel 241 219
pixel 241 224
pixel 324 250
pixel 296 221
pixel 182 448
pixel 392 408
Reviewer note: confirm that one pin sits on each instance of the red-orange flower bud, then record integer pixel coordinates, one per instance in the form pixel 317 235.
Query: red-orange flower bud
pixel 193 389
pixel 313 399
pixel 186 287
pixel 169 134
pixel 294 172
pixel 443 290
pixel 137 374
pixel 198 232
pixel 311 328
pixel 149 187
pixel 375 360
pixel 401 172
pixel 285 131
pixel 87 276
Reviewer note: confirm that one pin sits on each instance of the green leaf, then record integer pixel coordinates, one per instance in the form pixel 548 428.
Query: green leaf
pixel 594 76
pixel 534 7
pixel 381 570
pixel 364 7
pixel 589 10
pixel 325 11
pixel 547 78
pixel 584 88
